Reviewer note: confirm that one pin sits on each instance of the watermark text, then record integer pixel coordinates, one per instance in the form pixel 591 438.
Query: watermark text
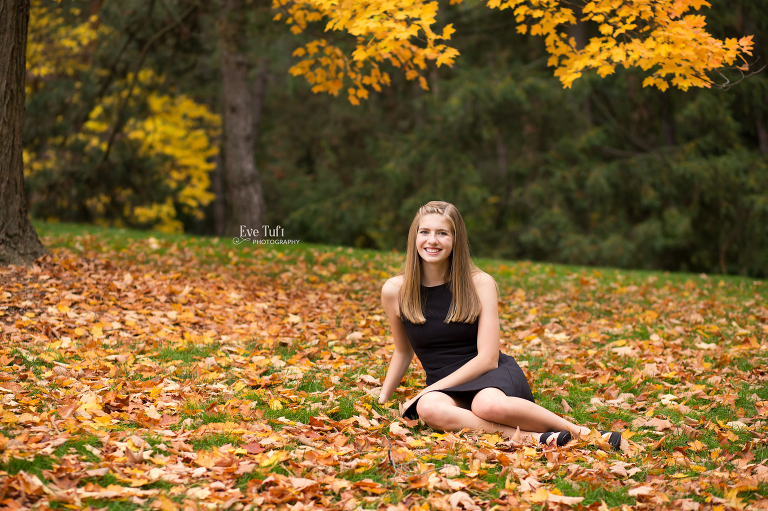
pixel 267 235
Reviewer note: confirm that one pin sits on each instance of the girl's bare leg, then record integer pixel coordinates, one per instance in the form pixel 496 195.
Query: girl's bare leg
pixel 442 412
pixel 493 405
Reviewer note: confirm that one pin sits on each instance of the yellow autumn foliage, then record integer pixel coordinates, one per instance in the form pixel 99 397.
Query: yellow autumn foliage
pixel 176 133
pixel 55 47
pixel 660 36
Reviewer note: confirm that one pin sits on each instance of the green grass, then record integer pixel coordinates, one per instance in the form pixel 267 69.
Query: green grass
pixel 34 466
pixel 597 307
pixel 594 494
pixel 78 446
pixel 212 440
pixel 188 354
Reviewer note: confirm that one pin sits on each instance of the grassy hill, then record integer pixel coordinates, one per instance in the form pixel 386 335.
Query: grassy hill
pixel 150 370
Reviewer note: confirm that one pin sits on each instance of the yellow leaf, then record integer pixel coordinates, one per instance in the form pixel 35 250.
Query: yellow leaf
pixel 606 29
pixel 103 420
pixel 541 495
pixel 274 458
pixel 165 504
pixel 605 70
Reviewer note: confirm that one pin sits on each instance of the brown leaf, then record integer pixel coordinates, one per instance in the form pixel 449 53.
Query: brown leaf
pixel 686 505
pixel 625 351
pixel 369 486
pixel 397 429
pixel 461 500
pixel 354 337
pixel 650 370
pixel 640 491
pixel 135 457
pixel 660 424
pixel 300 483
pixel 65 411
pixel 152 413
pixel 368 379
pixel 450 471
pixel 619 470
pixel 563 499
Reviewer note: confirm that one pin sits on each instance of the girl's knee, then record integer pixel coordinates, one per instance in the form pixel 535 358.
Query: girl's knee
pixel 488 406
pixel 431 410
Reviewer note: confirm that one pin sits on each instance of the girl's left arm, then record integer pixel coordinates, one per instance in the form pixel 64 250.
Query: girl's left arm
pixel 488 339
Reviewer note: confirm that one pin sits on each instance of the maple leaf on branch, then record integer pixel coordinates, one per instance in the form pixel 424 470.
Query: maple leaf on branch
pixel 660 36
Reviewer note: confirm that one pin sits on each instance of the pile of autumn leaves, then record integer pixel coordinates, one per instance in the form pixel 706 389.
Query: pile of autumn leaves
pixel 157 377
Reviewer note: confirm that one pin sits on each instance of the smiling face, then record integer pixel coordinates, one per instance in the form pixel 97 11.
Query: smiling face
pixel 434 238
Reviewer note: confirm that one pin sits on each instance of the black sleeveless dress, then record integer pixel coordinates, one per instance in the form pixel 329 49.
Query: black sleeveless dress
pixel 443 347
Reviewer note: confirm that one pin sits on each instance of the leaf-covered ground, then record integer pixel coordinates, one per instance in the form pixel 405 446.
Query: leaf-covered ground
pixel 172 372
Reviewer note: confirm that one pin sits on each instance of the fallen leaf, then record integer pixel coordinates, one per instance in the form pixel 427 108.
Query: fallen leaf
pixel 450 471
pixel 625 351
pixel 396 429
pixel 461 500
pixel 660 424
pixel 369 379
pixel 563 499
pixel 619 470
pixel 640 491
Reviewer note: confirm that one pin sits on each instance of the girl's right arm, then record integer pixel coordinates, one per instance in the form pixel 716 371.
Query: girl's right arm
pixel 403 354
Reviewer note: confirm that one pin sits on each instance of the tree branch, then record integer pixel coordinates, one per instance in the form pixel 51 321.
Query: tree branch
pixel 123 106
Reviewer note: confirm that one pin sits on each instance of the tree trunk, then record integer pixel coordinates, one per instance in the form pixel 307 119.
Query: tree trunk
pixel 579 30
pixel 259 91
pixel 580 35
pixel 762 132
pixel 245 201
pixel 18 240
pixel 668 119
pixel 217 187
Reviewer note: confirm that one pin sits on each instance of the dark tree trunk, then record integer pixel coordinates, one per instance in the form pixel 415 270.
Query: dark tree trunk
pixel 245 201
pixel 259 91
pixel 19 243
pixel 217 187
pixel 668 119
pixel 579 30
pixel 579 34
pixel 762 133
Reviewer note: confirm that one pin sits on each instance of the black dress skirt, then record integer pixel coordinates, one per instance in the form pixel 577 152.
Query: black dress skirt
pixel 443 347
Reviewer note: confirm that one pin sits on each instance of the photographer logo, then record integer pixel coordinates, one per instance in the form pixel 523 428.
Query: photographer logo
pixel 265 235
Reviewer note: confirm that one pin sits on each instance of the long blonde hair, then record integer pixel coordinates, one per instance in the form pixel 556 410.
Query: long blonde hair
pixel 465 304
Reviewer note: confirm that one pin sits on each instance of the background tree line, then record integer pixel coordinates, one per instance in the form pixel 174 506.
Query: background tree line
pixel 123 126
